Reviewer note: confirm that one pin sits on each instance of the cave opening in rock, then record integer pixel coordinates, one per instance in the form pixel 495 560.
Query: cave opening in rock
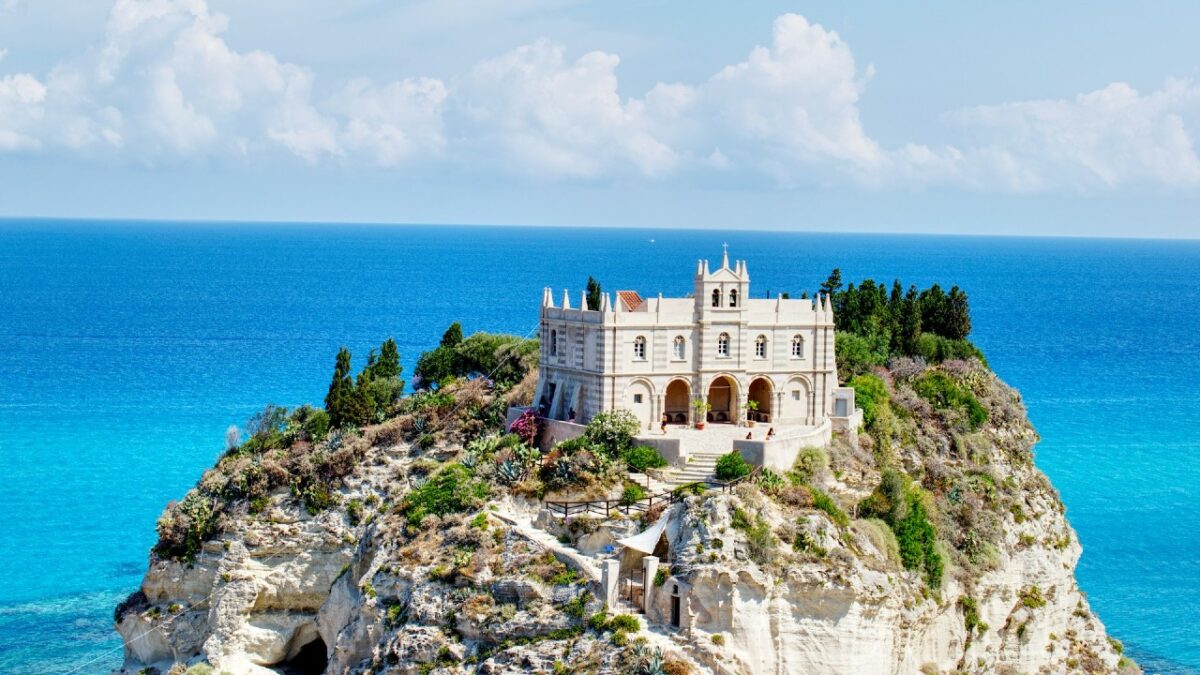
pixel 310 660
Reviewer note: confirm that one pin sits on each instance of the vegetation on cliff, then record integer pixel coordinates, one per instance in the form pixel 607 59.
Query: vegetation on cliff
pixel 929 494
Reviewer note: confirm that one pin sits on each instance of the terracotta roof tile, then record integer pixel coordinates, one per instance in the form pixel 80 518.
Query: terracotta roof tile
pixel 630 300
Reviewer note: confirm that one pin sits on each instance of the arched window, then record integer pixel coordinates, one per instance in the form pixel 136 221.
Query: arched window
pixel 553 343
pixel 798 347
pixel 716 297
pixel 639 348
pixel 723 344
pixel 760 347
pixel 679 347
pixel 733 298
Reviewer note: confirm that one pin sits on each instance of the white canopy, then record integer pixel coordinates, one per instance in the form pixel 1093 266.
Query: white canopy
pixel 646 540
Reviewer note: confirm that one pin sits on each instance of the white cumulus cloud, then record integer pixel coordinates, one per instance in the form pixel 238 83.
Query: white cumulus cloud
pixel 551 116
pixel 1100 139
pixel 163 84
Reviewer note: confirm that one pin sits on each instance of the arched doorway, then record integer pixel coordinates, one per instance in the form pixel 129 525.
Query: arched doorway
pixel 678 400
pixel 760 393
pixel 723 400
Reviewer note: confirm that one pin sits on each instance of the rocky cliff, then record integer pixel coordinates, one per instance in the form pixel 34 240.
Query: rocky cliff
pixel 928 543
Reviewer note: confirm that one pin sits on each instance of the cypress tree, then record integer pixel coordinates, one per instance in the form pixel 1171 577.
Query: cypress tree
pixel 593 294
pixel 934 310
pixel 341 389
pixel 958 315
pixel 388 364
pixel 910 322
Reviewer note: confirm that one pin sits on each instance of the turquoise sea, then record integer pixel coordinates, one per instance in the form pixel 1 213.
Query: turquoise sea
pixel 127 349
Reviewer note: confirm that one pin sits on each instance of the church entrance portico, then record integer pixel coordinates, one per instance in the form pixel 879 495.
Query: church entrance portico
pixel 723 399
pixel 761 393
pixel 678 402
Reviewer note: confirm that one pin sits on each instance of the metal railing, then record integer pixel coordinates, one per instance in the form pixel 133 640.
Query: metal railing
pixel 607 507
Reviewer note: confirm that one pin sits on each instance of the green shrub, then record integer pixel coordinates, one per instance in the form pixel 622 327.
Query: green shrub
pixel 632 494
pixel 576 606
pixel 811 463
pixel 598 621
pixel 870 394
pixel 199 669
pixel 902 506
pixel 660 577
pixel 855 355
pixel 624 622
pixel 935 349
pixel 612 432
pixel 1032 597
pixel 825 503
pixel 315 496
pixel 944 393
pixel 642 457
pixel 354 510
pixel 184 527
pixel 731 466
pixel 971 620
pixel 450 490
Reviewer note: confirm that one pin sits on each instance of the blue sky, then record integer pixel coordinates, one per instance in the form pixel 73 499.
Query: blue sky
pixel 1024 118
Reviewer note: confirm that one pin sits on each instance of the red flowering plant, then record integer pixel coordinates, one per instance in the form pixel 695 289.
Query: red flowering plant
pixel 527 427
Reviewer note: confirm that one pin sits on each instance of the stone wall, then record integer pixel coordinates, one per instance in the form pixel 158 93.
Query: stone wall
pixel 780 453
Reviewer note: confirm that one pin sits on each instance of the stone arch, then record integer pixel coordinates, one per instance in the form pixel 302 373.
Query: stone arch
pixel 723 395
pixel 677 400
pixel 639 400
pixel 762 392
pixel 797 400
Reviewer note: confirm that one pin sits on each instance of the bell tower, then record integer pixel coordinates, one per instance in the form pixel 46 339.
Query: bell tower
pixel 723 291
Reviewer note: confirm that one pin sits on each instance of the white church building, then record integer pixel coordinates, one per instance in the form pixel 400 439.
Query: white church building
pixel 656 356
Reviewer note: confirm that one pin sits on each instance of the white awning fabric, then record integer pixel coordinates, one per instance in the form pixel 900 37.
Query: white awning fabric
pixel 646 540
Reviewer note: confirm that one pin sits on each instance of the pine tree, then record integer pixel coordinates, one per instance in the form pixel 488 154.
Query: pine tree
pixel 341 389
pixel 593 294
pixel 453 335
pixel 833 285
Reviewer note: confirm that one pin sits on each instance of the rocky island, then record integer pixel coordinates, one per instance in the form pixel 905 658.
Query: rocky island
pixel 476 526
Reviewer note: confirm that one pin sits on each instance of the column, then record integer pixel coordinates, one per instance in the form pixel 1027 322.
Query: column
pixel 610 580
pixel 649 570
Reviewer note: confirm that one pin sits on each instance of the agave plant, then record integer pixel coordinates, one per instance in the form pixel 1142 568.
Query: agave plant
pixel 655 664
pixel 564 472
pixel 509 472
pixel 469 460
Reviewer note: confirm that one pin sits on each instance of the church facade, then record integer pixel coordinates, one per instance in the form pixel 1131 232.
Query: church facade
pixel 659 356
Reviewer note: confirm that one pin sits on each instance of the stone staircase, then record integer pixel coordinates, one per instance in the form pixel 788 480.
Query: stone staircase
pixel 701 467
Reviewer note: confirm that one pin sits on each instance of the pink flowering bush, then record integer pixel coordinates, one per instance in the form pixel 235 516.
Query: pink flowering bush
pixel 527 427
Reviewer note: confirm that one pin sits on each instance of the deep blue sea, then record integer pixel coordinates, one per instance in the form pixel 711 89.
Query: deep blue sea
pixel 126 350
